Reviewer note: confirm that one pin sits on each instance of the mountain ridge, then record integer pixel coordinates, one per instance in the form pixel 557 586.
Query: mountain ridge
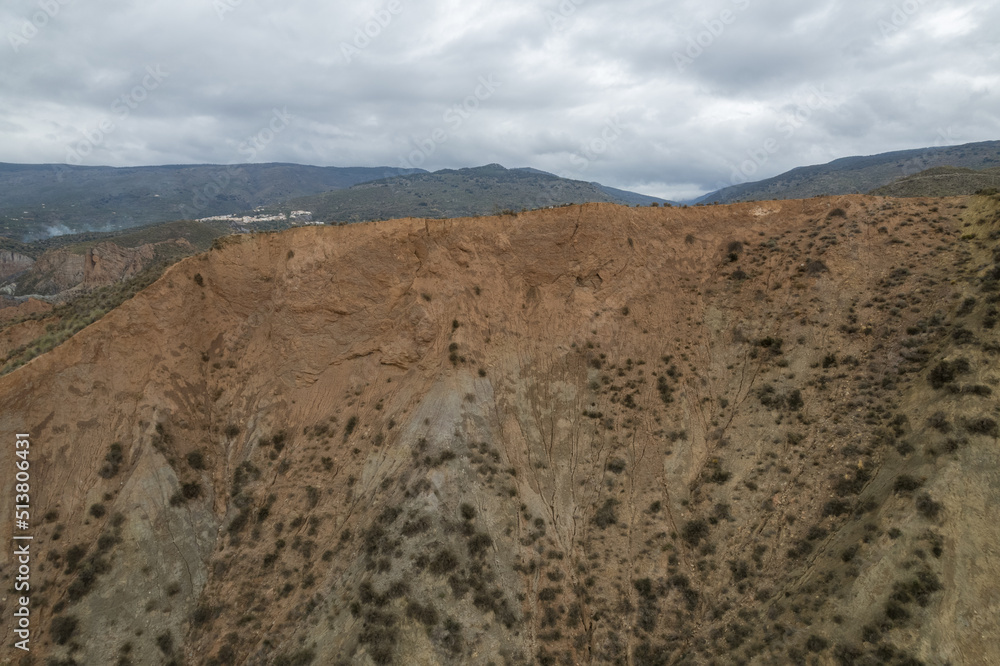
pixel 79 198
pixel 468 191
pixel 857 174
pixel 942 181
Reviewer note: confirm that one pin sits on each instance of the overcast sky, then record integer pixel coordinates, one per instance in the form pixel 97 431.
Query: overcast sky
pixel 672 99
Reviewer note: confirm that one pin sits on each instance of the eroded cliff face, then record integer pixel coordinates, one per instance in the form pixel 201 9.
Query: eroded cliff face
pixel 592 434
pixel 12 263
pixel 60 271
pixel 55 271
pixel 107 263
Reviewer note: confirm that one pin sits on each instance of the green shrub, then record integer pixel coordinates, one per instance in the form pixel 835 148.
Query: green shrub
pixel 980 390
pixel 665 390
pixel 443 562
pixel 74 556
pixel 452 639
pixel 794 399
pixel 847 654
pixel 946 372
pixel 647 654
pixel 549 593
pixel 814 267
pixel 605 516
pixel 644 586
pixel 300 658
pixel 853 486
pixel 816 532
pixel 918 589
pixel 836 507
pixel 112 461
pixel 717 474
pixel 800 550
pixel 196 460
pixel 816 643
pixel 479 543
pixel 905 483
pixel 982 425
pixel 939 421
pixel 966 307
pixel 694 531
pixel 63 628
pixel 896 612
pixel 928 507
pixel 166 643
pixel 740 570
pixel 425 614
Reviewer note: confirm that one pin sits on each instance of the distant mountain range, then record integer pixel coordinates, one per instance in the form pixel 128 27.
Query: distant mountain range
pixel 43 200
pixel 851 175
pixel 37 201
pixel 457 193
pixel 40 201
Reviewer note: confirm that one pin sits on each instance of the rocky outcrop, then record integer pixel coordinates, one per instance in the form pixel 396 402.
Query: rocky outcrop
pixel 53 272
pixel 12 263
pixel 107 263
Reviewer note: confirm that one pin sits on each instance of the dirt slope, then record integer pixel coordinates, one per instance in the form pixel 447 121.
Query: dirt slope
pixel 761 433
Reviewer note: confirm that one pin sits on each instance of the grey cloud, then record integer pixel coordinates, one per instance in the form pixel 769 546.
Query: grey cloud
pixel 566 69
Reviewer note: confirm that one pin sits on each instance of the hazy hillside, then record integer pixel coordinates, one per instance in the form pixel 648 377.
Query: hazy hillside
pixel 631 198
pixel 453 193
pixel 858 174
pixel 53 288
pixel 942 182
pixel 37 200
pixel 186 237
pixel 758 433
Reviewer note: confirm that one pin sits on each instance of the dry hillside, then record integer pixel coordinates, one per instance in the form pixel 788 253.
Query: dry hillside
pixel 758 433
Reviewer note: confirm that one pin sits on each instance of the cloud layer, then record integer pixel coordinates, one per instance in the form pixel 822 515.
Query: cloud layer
pixel 669 99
